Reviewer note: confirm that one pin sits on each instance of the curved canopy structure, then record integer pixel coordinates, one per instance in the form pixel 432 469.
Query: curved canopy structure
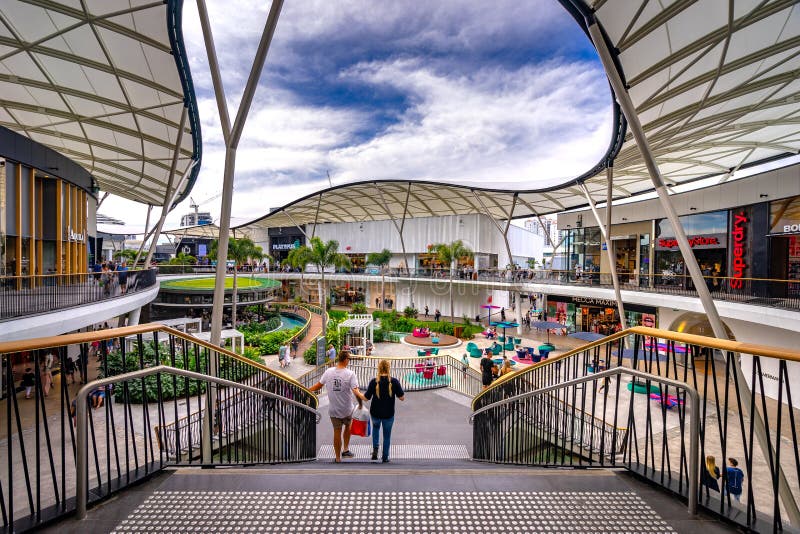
pixel 104 83
pixel 715 85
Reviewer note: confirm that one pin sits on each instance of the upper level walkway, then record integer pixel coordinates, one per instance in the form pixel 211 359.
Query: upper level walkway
pixel 54 304
pixel 752 302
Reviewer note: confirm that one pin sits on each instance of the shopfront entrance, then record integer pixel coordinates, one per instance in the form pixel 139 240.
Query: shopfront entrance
pixel 584 314
pixel 785 247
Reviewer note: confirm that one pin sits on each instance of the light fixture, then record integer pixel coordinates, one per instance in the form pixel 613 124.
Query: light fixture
pixel 693 208
pixel 763 195
pixel 94 189
pixel 624 218
pixel 361 226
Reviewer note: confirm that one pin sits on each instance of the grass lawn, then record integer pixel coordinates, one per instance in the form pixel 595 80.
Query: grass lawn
pixel 243 282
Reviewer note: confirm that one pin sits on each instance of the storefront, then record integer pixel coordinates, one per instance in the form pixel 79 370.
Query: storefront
pixel 785 246
pixel 43 224
pixel 584 314
pixel 430 261
pixel 282 241
pixel 358 262
pixel 708 238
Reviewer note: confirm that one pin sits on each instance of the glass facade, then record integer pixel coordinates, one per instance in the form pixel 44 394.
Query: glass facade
pixel 708 237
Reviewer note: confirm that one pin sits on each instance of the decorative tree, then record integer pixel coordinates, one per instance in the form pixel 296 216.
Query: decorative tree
pixel 532 263
pixel 449 254
pixel 381 259
pixel 322 255
pixel 239 251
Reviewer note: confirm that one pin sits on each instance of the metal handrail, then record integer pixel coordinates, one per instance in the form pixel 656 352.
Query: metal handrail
pixel 82 429
pixel 694 425
pixel 688 339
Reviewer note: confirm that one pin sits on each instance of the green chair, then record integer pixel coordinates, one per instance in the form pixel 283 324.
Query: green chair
pixel 421 353
pixel 501 339
pixel 509 346
pixel 518 341
pixel 471 346
pixel 475 352
pixel 497 349
pixel 435 351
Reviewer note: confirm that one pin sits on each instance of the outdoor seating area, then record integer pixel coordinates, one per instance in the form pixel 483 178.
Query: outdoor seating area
pixel 436 340
pixel 421 332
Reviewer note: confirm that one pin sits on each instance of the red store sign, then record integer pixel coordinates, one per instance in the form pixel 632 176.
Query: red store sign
pixel 739 241
pixel 709 241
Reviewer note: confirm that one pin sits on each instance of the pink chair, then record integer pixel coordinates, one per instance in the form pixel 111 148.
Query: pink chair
pixel 442 370
pixel 419 367
pixel 428 373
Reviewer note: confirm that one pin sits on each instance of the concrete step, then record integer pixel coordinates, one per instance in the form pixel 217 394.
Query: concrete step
pixel 399 498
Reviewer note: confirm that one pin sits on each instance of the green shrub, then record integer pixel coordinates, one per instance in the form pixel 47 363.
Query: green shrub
pixel 230 369
pixel 310 355
pixel 410 313
pixel 466 319
pixel 379 335
pixel 358 308
pixel 337 315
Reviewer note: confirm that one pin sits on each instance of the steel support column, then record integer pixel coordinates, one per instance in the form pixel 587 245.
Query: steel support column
pixel 703 293
pixel 605 232
pixel 168 194
pixel 231 133
pixel 144 238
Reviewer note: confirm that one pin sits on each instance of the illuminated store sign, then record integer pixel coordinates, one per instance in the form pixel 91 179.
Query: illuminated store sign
pixel 739 238
pixel 697 241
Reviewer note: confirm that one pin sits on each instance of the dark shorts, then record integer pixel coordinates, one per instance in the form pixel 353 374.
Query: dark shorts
pixel 339 422
pixel 486 380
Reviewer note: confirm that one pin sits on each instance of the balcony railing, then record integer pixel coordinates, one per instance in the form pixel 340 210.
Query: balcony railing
pixel 748 410
pixel 245 413
pixel 21 296
pixel 777 293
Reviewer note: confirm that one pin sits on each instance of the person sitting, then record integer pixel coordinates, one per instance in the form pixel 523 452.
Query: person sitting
pixel 369 347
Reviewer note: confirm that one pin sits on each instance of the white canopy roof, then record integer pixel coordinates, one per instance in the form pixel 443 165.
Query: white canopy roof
pixel 103 83
pixel 715 90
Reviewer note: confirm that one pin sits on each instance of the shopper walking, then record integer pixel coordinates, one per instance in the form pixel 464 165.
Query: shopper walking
pixel 710 475
pixel 734 479
pixel 342 386
pixel 383 390
pixel 28 382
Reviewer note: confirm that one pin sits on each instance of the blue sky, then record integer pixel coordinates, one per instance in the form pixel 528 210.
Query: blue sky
pixel 501 93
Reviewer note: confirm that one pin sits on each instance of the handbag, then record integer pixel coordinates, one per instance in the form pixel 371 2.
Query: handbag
pixel 362 423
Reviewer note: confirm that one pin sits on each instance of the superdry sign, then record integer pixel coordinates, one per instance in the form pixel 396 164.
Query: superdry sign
pixel 739 238
pixel 695 241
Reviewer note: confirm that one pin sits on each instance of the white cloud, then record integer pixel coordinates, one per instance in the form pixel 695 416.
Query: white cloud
pixel 463 117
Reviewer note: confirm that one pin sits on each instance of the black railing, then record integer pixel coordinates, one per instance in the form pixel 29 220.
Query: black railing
pixel 21 296
pixel 574 424
pixel 747 411
pixel 127 423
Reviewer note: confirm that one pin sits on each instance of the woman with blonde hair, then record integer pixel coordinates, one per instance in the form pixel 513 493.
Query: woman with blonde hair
pixel 506 367
pixel 710 475
pixel 382 390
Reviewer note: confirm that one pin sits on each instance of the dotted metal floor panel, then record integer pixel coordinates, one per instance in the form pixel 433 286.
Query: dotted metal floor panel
pixel 403 452
pixel 400 512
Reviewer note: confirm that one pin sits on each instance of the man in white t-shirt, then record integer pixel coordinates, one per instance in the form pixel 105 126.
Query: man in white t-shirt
pixel 342 385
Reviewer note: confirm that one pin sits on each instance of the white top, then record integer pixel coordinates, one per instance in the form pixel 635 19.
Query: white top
pixel 340 384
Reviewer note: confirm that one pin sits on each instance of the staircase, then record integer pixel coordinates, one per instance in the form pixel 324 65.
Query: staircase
pixel 429 486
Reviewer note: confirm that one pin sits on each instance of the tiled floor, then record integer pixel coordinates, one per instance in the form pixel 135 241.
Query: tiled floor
pixel 401 512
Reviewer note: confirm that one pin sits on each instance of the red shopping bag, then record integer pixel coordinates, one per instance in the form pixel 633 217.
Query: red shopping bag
pixel 362 424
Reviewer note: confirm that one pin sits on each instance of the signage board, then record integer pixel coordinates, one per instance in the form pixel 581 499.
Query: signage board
pixel 321 350
pixel 784 216
pixel 698 242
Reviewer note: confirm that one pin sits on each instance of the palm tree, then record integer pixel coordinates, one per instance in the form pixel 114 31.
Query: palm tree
pixel 449 254
pixel 322 255
pixel 239 250
pixel 295 260
pixel 381 259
